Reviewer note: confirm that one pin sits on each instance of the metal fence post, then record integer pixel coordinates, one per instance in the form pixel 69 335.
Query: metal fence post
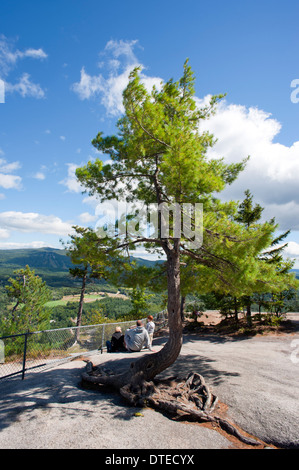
pixel 103 336
pixel 24 356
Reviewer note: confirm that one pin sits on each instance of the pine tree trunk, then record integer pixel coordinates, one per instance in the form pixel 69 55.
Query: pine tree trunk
pixel 248 312
pixel 236 310
pixel 147 367
pixel 152 365
pixel 80 311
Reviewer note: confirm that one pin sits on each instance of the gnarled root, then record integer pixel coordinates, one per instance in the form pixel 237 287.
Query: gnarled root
pixel 190 397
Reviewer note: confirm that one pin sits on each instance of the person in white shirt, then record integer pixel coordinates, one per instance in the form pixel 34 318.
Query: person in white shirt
pixel 150 327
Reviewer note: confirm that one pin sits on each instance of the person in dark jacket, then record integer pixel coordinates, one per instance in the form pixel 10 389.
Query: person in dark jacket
pixel 117 341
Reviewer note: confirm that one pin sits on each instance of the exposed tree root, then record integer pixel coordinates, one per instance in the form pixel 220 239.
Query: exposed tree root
pixel 189 397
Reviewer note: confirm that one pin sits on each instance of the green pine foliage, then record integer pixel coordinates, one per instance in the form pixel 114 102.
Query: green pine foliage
pixel 28 294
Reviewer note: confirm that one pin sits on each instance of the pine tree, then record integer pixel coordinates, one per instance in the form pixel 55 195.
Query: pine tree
pixel 274 269
pixel 90 259
pixel 29 294
pixel 159 155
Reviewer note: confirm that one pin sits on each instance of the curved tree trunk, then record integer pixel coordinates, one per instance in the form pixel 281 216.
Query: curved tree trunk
pixel 147 367
pixel 137 385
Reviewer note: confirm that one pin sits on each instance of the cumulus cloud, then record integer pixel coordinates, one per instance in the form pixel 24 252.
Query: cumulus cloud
pixel 31 222
pixel 25 87
pixel 4 233
pixel 120 60
pixel 272 171
pixel 9 56
pixel 33 53
pixel 39 176
pixel 292 250
pixel 122 48
pixel 16 245
pixel 8 167
pixel 71 181
pixel 86 217
pixel 8 180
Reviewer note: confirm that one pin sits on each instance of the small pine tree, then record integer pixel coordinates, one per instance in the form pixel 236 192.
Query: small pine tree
pixel 30 294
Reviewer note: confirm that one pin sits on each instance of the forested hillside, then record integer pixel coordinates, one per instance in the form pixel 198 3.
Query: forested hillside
pixel 50 263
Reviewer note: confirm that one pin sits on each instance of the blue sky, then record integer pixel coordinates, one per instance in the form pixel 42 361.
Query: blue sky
pixel 64 65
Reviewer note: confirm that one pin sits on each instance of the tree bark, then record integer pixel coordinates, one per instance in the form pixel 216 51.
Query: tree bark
pixel 80 311
pixel 236 309
pixel 248 312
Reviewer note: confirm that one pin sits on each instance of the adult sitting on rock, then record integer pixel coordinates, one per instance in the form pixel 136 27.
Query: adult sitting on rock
pixel 117 341
pixel 136 338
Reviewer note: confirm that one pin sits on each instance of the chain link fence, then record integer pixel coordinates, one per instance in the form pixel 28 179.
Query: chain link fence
pixel 41 349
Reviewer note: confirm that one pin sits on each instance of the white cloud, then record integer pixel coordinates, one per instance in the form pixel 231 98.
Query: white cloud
pixel 62 137
pixel 9 56
pixel 10 181
pixel 16 245
pixel 71 181
pixel 4 233
pixel 88 86
pixel 33 53
pixel 39 176
pixel 2 196
pixel 25 87
pixel 86 217
pixel 291 251
pixel 110 89
pixel 122 48
pixel 8 167
pixel 272 171
pixel 31 222
pixel 7 180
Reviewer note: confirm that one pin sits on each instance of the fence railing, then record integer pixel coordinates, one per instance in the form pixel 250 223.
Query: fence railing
pixel 42 349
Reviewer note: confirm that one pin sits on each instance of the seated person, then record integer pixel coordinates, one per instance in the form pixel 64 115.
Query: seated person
pixel 136 338
pixel 117 341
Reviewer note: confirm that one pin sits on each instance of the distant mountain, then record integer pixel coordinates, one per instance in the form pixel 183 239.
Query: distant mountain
pixel 50 263
pixel 296 271
pixel 48 258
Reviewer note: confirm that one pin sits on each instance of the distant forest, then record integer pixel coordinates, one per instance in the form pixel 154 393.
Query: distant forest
pixel 52 265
